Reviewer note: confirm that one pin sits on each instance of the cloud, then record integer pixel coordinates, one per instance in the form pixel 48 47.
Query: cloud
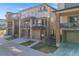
pixel 23 8
pixel 20 8
pixel 2 16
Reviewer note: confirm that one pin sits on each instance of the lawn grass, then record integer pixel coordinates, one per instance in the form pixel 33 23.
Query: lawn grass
pixel 45 48
pixel 27 43
pixel 9 38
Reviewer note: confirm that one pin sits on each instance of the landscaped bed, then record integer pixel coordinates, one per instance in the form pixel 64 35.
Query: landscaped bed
pixel 9 38
pixel 44 48
pixel 27 43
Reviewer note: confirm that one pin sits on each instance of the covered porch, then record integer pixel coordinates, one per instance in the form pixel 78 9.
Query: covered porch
pixel 67 25
pixel 30 27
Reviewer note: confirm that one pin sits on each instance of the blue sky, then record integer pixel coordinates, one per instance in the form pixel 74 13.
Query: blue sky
pixel 15 7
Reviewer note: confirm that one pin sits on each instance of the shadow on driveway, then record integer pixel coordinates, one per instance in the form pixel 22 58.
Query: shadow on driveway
pixel 15 49
pixel 67 49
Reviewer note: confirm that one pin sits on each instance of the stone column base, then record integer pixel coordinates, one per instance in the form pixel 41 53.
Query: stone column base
pixel 58 44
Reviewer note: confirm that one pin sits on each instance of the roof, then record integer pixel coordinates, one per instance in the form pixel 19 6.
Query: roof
pixel 38 6
pixel 68 8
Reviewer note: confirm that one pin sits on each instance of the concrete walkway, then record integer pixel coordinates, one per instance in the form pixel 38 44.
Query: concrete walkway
pixel 4 52
pixel 20 40
pixel 2 40
pixel 15 49
pixel 12 48
pixel 67 49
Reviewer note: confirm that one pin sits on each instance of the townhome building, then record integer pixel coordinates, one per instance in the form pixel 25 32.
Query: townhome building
pixel 3 27
pixel 67 23
pixel 34 23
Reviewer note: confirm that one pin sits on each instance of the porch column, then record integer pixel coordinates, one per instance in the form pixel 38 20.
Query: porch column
pixel 12 27
pixel 19 28
pixel 30 28
pixel 7 27
pixel 47 28
pixel 48 21
pixel 57 23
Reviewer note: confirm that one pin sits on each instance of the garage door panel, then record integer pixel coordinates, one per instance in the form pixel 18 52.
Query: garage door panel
pixel 72 36
pixel 36 34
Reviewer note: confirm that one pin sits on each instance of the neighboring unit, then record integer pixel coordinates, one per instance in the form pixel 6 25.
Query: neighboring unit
pixel 67 23
pixel 3 25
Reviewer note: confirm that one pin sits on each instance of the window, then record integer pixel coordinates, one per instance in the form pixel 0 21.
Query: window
pixel 44 8
pixel 14 15
pixel 33 22
pixel 74 20
pixel 42 21
pixel 9 24
pixel 36 21
pixel 45 21
pixel 39 22
pixel 40 9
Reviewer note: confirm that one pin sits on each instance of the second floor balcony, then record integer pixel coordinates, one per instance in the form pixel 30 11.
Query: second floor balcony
pixel 71 22
pixel 39 26
pixel 69 25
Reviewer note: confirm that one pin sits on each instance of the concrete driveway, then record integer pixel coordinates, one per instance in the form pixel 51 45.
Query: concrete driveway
pixel 2 41
pixel 67 49
pixel 20 40
pixel 10 48
pixel 14 49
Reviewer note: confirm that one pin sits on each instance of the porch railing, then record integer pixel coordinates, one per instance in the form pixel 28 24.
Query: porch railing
pixel 69 25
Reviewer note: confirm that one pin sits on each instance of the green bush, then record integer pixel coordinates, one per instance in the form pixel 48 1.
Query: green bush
pixel 27 43
pixel 9 38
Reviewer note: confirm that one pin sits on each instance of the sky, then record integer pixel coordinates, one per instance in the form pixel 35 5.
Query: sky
pixel 15 7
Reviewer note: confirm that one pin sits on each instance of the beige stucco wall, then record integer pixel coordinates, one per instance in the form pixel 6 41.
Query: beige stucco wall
pixel 63 19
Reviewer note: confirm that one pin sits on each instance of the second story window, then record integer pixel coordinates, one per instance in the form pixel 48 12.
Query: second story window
pixel 40 9
pixel 36 21
pixel 39 22
pixel 74 20
pixel 42 22
pixel 9 24
pixel 33 22
pixel 44 8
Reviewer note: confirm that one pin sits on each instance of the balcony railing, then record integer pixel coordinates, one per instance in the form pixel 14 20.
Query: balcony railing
pixel 33 26
pixel 69 25
pixel 25 26
pixel 39 26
